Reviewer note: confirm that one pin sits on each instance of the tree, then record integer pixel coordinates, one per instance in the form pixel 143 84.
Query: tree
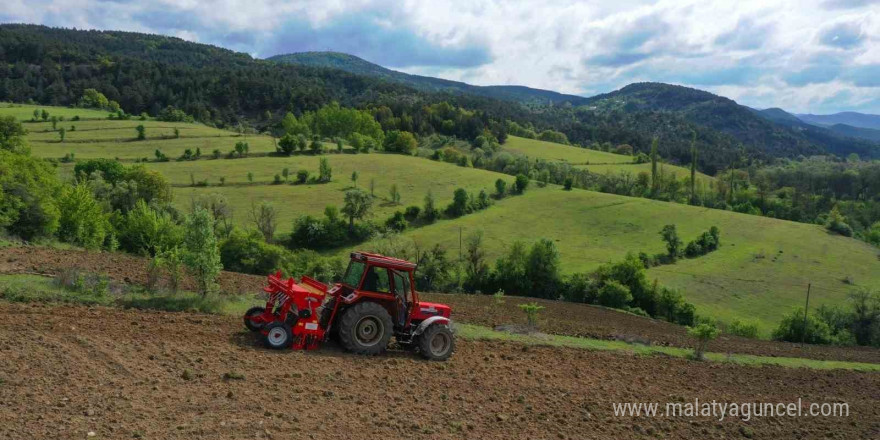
pixel 82 220
pixel 703 333
pixel 285 173
pixel 54 122
pixel 655 179
pixel 265 218
pixel 28 190
pixel 354 178
pixel 241 147
pixel 430 212
pixel 397 222
pixel 202 255
pixel 521 183
pixel 141 132
pixel 36 115
pixel 673 243
pixel 61 133
pixel 93 99
pixel 287 144
pixel 250 177
pixel 44 114
pixel 372 187
pixel 568 183
pixel 395 194
pixel 542 270
pixel 500 188
pixel 403 142
pixel 12 135
pixel 476 269
pixel 325 173
pixel 357 206
pixel 615 295
pixel 459 205
pixel 145 231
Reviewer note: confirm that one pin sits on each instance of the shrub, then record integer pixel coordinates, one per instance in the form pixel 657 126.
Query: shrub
pixel 110 170
pixel 837 223
pixel 791 329
pixel 569 181
pixel 396 222
pixel 403 142
pixel 247 252
pixel 145 231
pixel 202 255
pixel 277 180
pixel 430 213
pixel 614 294
pixel 141 132
pixel 82 220
pixel 521 183
pixel 302 176
pixel 412 213
pixel 703 333
pixel 28 187
pixel 531 310
pixel 500 188
pixel 325 172
pixel 745 329
pixel 459 205
pixel 673 243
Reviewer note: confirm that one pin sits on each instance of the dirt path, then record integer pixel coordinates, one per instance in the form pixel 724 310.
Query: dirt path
pixel 68 371
pixel 558 317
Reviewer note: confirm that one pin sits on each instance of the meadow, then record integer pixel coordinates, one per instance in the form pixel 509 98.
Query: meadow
pixel 760 272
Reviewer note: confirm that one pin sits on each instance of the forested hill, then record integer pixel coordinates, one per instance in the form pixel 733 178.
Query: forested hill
pixel 146 73
pixel 353 64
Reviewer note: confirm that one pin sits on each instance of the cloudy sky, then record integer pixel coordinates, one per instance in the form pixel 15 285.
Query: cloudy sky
pixel 817 56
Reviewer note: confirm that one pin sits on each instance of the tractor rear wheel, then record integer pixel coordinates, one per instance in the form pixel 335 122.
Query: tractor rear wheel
pixel 253 311
pixel 278 336
pixel 365 328
pixel 436 343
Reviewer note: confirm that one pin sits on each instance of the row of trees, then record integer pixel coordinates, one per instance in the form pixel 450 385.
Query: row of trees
pixel 857 324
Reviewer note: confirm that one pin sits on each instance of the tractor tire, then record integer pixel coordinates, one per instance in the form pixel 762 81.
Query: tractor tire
pixel 365 329
pixel 253 311
pixel 278 336
pixel 436 343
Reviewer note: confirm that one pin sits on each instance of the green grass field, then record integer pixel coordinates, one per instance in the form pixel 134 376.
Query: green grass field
pixel 25 112
pixel 636 168
pixel 760 272
pixel 561 153
pixel 413 176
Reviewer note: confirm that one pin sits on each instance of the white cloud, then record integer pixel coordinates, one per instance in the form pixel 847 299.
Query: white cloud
pixel 805 56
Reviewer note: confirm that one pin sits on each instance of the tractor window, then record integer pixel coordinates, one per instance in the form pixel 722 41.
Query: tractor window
pixel 353 274
pixel 401 286
pixel 376 280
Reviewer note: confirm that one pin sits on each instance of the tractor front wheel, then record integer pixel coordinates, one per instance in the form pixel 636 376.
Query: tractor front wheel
pixel 278 336
pixel 365 329
pixel 253 326
pixel 436 343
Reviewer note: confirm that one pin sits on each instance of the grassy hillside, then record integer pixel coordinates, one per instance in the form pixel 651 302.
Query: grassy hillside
pixel 25 112
pixel 413 176
pixel 760 271
pixel 599 162
pixel 562 153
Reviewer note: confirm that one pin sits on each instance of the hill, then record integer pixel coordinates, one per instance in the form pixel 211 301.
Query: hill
pixel 760 271
pixel 762 134
pixel 854 119
pixel 146 73
pixel 353 64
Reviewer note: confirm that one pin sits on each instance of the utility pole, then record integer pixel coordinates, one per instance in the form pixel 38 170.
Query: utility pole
pixel 806 308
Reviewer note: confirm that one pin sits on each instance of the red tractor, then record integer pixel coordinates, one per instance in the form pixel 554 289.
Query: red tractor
pixel 375 300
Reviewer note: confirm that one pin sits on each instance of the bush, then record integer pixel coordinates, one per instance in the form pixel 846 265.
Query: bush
pixel 568 183
pixel 82 220
pixel 459 205
pixel 202 255
pixel 28 187
pixel 403 142
pixel 302 176
pixel 745 329
pixel 396 222
pixel 615 295
pixel 791 329
pixel 412 213
pixel 145 231
pixel 521 183
pixel 703 333
pixel 531 310
pixel 247 252
pixel 837 223
pixel 500 188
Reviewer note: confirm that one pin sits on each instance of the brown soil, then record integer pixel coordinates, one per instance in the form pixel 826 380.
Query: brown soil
pixel 598 322
pixel 68 371
pixel 558 317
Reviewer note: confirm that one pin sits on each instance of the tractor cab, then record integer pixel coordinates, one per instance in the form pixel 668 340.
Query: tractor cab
pixel 391 282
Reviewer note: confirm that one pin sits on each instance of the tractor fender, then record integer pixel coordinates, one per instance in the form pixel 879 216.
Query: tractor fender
pixel 432 320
